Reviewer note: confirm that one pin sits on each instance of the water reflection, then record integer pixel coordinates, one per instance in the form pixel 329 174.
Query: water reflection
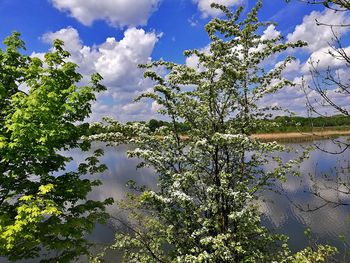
pixel 283 211
pixel 280 209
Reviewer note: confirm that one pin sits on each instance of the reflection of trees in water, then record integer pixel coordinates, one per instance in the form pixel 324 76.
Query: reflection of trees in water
pixel 332 188
pixel 318 199
pixel 286 211
pixel 280 208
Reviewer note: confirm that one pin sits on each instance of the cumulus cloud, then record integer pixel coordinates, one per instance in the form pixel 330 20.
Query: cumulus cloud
pixel 295 98
pixel 155 107
pixel 270 33
pixel 193 60
pixel 324 59
pixel 69 35
pixel 292 67
pixel 117 62
pixel 316 36
pixel 206 10
pixel 117 13
pixel 291 98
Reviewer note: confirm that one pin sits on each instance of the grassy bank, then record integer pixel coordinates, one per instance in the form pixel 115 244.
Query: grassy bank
pixel 282 129
pixel 303 136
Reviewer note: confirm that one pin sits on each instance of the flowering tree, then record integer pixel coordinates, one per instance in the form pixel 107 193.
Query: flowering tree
pixel 203 209
pixel 43 210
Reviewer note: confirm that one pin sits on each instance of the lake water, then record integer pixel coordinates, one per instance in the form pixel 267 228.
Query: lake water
pixel 281 210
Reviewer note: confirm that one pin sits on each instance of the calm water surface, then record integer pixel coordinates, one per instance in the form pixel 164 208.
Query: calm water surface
pixel 281 210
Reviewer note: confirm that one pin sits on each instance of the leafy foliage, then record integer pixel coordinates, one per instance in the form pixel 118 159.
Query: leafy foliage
pixel 44 211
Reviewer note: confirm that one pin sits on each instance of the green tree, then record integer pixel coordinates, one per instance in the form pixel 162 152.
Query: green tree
pixel 204 207
pixel 43 210
pixel 154 124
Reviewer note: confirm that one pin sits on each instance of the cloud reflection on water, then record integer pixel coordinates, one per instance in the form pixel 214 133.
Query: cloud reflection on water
pixel 280 213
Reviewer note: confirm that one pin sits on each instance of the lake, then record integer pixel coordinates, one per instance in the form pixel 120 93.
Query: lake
pixel 281 210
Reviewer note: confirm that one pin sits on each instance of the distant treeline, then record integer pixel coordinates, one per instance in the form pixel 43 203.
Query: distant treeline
pixel 278 124
pixel 155 124
pixel 297 123
pixel 282 123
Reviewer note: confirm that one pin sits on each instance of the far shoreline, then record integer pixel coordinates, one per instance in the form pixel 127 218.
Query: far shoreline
pixel 300 136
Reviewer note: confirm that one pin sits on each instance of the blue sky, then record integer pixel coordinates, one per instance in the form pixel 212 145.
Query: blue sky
pixel 113 36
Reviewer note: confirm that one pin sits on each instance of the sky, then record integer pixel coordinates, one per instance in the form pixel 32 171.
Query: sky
pixel 112 37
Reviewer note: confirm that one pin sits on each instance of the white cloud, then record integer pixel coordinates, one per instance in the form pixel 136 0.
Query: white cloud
pixel 292 67
pixel 118 13
pixel 69 35
pixel 325 60
pixel 343 74
pixel 117 62
pixel 133 107
pixel 206 10
pixel 295 98
pixel 270 33
pixel 155 107
pixel 84 56
pixel 318 37
pixel 193 60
